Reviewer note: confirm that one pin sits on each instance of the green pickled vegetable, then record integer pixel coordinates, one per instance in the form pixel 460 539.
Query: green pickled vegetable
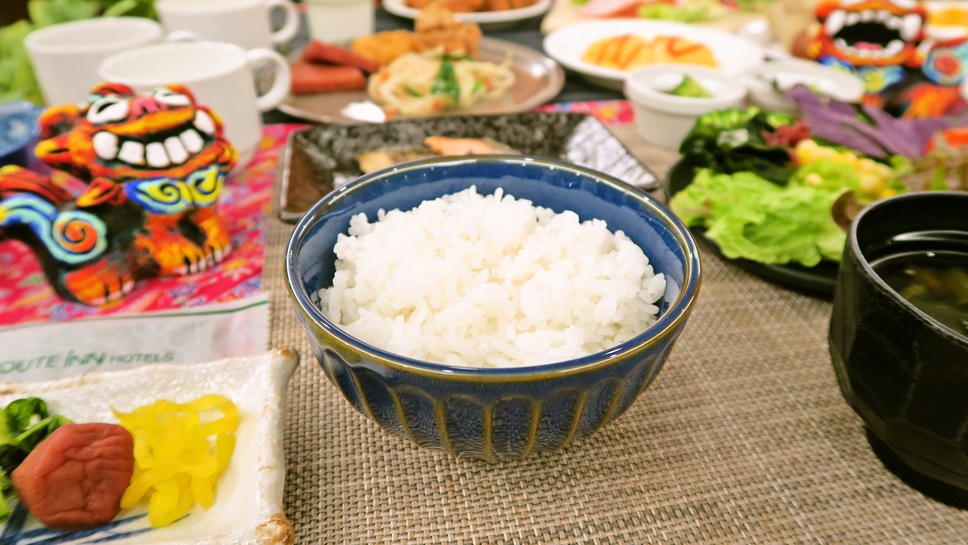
pixel 690 88
pixel 24 424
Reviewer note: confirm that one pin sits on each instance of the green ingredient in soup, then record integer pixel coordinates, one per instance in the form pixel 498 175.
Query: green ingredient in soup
pixel 750 217
pixel 934 282
pixel 690 88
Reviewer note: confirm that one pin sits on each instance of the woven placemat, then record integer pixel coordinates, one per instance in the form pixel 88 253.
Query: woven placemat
pixel 742 438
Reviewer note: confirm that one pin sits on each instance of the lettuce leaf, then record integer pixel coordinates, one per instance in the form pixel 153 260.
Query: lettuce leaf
pixel 24 423
pixel 17 80
pixel 731 140
pixel 752 218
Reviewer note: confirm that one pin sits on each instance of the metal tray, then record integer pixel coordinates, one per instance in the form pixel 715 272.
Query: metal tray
pixel 320 159
pixel 538 79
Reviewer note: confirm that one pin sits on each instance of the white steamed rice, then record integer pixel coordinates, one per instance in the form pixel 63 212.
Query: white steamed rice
pixel 489 281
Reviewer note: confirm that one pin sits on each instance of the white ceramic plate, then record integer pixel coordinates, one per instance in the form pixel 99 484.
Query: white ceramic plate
pixel 488 20
pixel 836 84
pixel 734 54
pixel 248 505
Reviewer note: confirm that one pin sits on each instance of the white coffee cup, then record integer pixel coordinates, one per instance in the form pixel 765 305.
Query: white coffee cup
pixel 66 56
pixel 220 75
pixel 246 23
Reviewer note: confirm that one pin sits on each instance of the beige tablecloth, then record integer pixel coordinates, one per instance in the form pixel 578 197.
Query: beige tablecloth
pixel 743 438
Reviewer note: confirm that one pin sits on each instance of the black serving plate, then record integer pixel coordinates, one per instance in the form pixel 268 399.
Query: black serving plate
pixel 819 279
pixel 320 159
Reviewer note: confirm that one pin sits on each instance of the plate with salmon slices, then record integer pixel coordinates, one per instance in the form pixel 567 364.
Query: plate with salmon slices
pixel 605 52
pixel 318 160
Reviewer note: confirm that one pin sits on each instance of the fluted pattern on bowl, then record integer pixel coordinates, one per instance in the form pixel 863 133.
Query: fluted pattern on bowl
pixel 492 421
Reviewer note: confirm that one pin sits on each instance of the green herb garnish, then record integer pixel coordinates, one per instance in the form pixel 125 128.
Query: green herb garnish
pixel 446 82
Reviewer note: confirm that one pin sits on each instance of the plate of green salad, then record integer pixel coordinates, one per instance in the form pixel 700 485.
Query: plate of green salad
pixel 776 193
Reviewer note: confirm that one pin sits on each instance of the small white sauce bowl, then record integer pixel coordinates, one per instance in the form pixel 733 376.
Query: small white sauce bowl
pixel 834 83
pixel 664 119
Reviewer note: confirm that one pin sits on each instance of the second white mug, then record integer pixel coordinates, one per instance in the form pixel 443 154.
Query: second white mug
pixel 246 23
pixel 220 75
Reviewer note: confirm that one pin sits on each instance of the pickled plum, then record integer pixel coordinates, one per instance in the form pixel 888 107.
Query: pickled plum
pixel 74 479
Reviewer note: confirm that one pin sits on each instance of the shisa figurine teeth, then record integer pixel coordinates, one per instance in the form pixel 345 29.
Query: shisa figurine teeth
pixel 105 145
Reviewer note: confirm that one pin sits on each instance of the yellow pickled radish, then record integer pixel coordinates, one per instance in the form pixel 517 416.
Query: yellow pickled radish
pixel 179 453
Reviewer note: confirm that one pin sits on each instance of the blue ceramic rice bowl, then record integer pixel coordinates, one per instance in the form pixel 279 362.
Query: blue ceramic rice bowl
pixel 493 413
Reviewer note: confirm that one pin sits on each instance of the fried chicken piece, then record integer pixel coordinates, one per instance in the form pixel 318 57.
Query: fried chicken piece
pixel 434 17
pixel 437 29
pixel 455 6
pixel 384 47
pixel 518 4
pixel 498 5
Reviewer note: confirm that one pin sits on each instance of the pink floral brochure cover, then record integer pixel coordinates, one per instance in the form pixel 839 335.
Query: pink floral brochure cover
pixel 218 313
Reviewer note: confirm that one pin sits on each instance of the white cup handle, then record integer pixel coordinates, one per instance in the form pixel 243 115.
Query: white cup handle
pixel 291 27
pixel 182 36
pixel 282 77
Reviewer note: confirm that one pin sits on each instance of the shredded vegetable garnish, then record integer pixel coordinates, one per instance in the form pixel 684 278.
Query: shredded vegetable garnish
pixel 179 454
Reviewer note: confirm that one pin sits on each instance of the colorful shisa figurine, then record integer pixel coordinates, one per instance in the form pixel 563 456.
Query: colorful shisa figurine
pixel 884 43
pixel 154 164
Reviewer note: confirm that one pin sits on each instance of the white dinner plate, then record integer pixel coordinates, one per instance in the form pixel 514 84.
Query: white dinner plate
pixel 488 20
pixel 735 55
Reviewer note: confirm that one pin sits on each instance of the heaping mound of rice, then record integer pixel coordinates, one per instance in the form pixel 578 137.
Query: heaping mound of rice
pixel 489 281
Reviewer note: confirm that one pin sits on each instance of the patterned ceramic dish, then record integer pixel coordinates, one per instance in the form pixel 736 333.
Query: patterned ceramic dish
pixel 320 159
pixel 18 130
pixel 493 413
pixel 248 506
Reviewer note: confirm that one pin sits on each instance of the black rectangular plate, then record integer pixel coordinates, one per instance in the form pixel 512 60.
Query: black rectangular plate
pixel 320 159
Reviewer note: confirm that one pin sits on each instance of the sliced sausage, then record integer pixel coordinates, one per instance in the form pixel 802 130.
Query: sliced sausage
pixel 316 78
pixel 325 53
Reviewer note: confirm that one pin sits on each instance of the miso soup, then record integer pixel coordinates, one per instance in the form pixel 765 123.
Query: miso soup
pixel 936 282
